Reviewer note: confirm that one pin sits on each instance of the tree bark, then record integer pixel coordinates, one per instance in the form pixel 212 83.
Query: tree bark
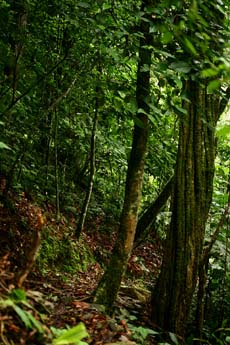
pixel 108 287
pixel 191 198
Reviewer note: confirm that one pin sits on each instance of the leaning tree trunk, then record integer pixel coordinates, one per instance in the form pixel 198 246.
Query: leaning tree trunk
pixel 149 216
pixel 191 198
pixel 108 287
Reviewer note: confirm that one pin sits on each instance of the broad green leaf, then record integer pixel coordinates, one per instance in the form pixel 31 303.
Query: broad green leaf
pixel 4 146
pixel 213 85
pixel 72 335
pixel 181 66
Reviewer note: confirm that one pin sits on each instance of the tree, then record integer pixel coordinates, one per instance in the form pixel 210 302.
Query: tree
pixel 108 287
pixel 193 183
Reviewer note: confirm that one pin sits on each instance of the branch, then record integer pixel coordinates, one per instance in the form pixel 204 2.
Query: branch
pixel 33 85
pixel 214 237
pixel 64 95
pixel 224 101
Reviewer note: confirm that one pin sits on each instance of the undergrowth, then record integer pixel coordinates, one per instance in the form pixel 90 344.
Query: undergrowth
pixel 62 253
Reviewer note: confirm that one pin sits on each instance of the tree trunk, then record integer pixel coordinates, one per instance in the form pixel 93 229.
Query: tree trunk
pixel 203 269
pixel 85 206
pixel 108 287
pixel 148 218
pixel 191 198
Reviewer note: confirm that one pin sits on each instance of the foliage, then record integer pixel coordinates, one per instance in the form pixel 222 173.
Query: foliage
pixel 54 56
pixel 17 300
pixel 62 253
pixel 73 335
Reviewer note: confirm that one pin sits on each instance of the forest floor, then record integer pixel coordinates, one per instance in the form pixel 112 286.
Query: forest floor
pixel 61 298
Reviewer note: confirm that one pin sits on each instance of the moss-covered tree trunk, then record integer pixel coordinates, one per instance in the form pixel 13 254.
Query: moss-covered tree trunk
pixel 108 287
pixel 191 200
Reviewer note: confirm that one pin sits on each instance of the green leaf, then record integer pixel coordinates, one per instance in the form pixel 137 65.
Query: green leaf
pixel 138 122
pixel 28 319
pixel 145 68
pixel 142 111
pixel 152 119
pixel 224 131
pixel 83 4
pixel 122 94
pixel 180 110
pixel 166 37
pixel 18 295
pixel 34 322
pixel 209 72
pixel 155 109
pixel 173 337
pixel 6 303
pixel 23 316
pixel 106 6
pixel 213 85
pixel 190 46
pixel 72 335
pixel 181 66
pixel 4 146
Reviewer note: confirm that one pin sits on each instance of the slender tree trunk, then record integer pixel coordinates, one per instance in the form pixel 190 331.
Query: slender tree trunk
pixel 84 210
pixel 56 121
pixel 191 200
pixel 108 287
pixel 203 268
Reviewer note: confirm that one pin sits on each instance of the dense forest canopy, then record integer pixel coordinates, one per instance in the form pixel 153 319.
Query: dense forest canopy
pixel 115 116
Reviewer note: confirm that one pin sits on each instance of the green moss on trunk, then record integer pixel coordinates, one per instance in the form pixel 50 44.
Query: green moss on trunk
pixel 191 200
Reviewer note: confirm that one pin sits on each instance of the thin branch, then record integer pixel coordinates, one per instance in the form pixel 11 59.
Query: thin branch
pixel 61 97
pixel 224 101
pixel 33 85
pixel 214 237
